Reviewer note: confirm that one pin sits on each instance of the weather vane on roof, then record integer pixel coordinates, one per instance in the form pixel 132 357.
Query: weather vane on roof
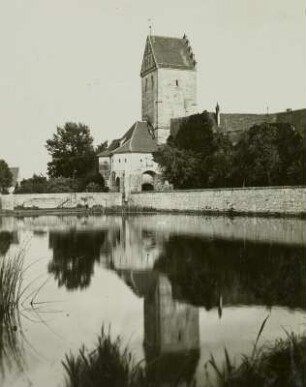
pixel 150 26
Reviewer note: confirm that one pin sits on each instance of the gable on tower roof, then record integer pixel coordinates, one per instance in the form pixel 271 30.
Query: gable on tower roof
pixel 166 52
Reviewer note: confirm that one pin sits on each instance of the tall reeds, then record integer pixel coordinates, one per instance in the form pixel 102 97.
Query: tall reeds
pixel 280 364
pixel 107 365
pixel 10 292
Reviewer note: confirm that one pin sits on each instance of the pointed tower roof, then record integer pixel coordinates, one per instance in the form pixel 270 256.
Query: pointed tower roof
pixel 167 52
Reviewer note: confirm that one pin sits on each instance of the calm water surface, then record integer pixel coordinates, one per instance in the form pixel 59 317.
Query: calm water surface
pixel 175 288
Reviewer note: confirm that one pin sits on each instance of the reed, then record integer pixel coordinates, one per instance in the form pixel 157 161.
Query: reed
pixel 107 365
pixel 281 364
pixel 10 283
pixel 10 292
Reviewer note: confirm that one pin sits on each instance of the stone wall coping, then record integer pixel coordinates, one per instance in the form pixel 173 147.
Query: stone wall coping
pixel 221 189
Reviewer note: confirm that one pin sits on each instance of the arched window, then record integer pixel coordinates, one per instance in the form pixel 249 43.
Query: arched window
pixel 177 82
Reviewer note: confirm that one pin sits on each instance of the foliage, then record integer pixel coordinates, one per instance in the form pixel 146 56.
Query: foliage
pixel 281 364
pixel 101 147
pixel 269 154
pixel 10 293
pixel 220 163
pixel 6 177
pixel 40 184
pixel 265 155
pixel 107 365
pixel 181 167
pixel 35 184
pixel 196 135
pixel 62 184
pixel 72 151
pixel 185 158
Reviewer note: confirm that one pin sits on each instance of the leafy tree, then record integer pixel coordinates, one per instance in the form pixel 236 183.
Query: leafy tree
pixel 269 154
pixel 6 177
pixel 101 147
pixel 180 167
pixel 184 160
pixel 64 184
pixel 35 184
pixel 220 164
pixel 72 151
pixel 196 135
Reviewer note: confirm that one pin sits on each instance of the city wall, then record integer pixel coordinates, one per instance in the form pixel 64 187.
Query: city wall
pixel 262 201
pixel 265 200
pixel 60 201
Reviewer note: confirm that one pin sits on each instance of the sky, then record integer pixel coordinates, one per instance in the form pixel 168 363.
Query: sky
pixel 79 60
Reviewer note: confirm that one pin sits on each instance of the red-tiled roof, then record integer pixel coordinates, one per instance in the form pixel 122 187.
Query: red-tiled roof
pixel 138 139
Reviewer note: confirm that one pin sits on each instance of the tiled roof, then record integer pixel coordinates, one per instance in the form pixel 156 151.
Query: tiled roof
pixel 138 139
pixel 107 152
pixel 169 53
pixel 172 52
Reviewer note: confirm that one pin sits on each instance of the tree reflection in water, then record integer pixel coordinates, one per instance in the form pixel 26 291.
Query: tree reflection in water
pixel 202 271
pixel 6 239
pixel 74 256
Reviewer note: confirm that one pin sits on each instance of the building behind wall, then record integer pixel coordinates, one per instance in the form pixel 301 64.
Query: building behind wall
pixel 168 88
pixel 168 98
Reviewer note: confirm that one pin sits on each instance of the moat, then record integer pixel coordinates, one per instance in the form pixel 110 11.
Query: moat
pixel 176 288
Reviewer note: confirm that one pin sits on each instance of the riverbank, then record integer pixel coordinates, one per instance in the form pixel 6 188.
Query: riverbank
pixel 259 201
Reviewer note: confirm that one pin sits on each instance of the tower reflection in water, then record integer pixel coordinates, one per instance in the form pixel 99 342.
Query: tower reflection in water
pixel 171 328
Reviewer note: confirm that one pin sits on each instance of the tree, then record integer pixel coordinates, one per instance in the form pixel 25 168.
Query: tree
pixel 220 164
pixel 6 177
pixel 181 167
pixel 269 154
pixel 184 159
pixel 101 147
pixel 72 152
pixel 196 135
pixel 35 184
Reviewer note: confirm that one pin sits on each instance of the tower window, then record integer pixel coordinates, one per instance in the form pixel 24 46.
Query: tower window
pixel 152 81
pixel 146 84
pixel 177 82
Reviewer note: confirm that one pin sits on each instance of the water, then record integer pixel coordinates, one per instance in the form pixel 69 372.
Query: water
pixel 176 288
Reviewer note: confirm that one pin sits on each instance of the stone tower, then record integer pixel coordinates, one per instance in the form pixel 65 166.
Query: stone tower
pixel 168 83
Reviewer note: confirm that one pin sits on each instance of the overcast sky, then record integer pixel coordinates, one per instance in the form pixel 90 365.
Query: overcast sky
pixel 79 60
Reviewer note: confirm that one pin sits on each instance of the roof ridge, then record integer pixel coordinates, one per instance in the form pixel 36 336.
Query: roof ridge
pixel 132 137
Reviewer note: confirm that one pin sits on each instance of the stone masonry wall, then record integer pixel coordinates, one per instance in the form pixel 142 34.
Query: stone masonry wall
pixel 60 200
pixel 266 200
pixel 177 97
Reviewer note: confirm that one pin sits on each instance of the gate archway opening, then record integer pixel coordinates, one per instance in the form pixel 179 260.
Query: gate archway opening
pixel 117 184
pixel 147 183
